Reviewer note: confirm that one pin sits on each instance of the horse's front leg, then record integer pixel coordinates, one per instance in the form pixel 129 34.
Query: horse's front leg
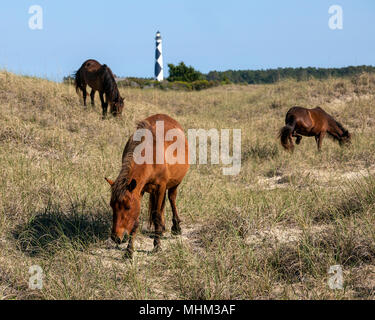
pixel 130 249
pixel 158 218
pixel 172 195
pixel 104 105
pixel 319 140
pixel 109 103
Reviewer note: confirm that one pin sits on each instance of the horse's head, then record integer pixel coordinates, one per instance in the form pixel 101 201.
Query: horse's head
pixel 118 106
pixel 126 211
pixel 345 138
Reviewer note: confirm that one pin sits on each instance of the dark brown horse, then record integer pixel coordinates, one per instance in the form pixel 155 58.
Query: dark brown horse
pixel 153 177
pixel 311 123
pixel 99 78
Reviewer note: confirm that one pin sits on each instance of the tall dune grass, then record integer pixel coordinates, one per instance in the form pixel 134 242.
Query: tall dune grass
pixel 271 232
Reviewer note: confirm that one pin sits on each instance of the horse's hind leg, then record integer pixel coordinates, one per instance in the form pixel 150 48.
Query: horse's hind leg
pixel 92 95
pixel 299 138
pixel 172 195
pixel 84 92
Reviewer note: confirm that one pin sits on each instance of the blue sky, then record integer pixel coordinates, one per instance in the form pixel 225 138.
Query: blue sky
pixel 208 34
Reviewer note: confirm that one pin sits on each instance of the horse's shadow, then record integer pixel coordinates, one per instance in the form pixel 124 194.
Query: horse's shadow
pixel 52 230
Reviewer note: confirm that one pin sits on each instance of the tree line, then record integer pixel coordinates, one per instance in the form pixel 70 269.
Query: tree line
pixel 187 77
pixel 274 75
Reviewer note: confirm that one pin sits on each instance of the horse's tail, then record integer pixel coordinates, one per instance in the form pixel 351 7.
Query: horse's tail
pixel 78 81
pixel 284 135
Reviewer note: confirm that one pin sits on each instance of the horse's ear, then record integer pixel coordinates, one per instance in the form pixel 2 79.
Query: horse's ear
pixel 109 181
pixel 132 185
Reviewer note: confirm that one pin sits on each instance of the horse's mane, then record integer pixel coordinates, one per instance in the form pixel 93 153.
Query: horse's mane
pixel 339 125
pixel 342 128
pixel 120 186
pixel 109 83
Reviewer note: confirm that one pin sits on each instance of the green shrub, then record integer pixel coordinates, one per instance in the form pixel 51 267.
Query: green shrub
pixel 204 84
pixel 184 73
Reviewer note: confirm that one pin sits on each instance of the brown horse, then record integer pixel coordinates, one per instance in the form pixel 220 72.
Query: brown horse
pixel 311 123
pixel 154 177
pixel 99 78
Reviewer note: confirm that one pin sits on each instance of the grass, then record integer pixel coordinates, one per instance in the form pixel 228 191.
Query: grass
pixel 271 232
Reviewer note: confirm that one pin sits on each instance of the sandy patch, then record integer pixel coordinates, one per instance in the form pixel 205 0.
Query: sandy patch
pixel 280 235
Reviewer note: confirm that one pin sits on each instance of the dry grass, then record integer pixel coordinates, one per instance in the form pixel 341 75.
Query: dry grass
pixel 271 232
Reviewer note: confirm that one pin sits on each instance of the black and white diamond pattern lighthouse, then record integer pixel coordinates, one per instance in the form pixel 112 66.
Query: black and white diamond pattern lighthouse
pixel 159 70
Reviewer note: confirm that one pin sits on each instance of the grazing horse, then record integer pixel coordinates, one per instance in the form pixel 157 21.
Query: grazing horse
pixel 154 176
pixel 99 78
pixel 311 123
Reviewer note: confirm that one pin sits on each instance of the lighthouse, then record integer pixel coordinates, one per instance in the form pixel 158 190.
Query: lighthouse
pixel 159 70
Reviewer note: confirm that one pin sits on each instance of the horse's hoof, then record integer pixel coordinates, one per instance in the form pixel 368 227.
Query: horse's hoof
pixel 176 231
pixel 156 249
pixel 128 255
pixel 164 229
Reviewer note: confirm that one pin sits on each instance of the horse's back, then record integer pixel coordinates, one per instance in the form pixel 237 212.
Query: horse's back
pixel 168 122
pixel 90 74
pixel 296 113
pixel 320 116
pixel 317 112
pixel 170 172
pixel 309 121
pixel 91 65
